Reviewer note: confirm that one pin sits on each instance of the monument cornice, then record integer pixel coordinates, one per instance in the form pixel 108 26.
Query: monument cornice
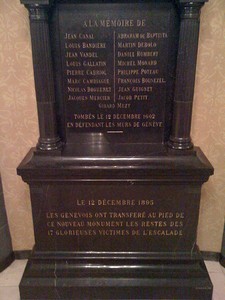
pixel 50 2
pixel 37 2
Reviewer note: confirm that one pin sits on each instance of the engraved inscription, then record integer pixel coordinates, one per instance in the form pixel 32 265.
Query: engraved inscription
pixel 114 65
pixel 134 218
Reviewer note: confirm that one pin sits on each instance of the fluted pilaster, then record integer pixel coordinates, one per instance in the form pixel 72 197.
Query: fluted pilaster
pixel 43 75
pixel 185 75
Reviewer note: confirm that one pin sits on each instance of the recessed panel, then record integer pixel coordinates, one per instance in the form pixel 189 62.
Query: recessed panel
pixel 118 67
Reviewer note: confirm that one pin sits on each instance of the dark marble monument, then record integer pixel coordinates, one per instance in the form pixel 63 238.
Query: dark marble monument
pixel 115 180
pixel 6 252
pixel 222 254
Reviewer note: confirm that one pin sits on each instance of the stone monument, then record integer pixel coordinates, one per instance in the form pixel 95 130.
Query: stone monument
pixel 115 179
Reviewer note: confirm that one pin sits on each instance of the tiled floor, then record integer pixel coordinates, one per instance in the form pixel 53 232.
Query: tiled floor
pixel 10 278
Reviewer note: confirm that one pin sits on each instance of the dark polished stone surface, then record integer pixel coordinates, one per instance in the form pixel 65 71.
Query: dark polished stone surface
pixel 222 256
pixel 155 277
pixel 6 252
pixel 115 180
pixel 117 161
pixel 154 260
pixel 159 211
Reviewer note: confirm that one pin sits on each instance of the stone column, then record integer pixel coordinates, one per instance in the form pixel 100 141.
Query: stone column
pixel 185 74
pixel 43 76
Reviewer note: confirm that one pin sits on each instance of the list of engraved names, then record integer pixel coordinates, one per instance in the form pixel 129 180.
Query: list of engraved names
pixel 114 66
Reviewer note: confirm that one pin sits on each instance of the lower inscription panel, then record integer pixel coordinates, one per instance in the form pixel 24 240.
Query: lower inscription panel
pixel 114 217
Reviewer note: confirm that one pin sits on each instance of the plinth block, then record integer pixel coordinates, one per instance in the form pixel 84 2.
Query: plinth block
pixel 154 277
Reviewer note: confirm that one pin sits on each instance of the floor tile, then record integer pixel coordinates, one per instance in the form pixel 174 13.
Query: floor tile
pixel 213 266
pixel 218 281
pixel 12 275
pixel 9 293
pixel 217 275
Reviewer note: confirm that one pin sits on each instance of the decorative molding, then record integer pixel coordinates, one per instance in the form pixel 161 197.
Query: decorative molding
pixel 190 10
pixel 38 12
pixel 22 254
pixel 37 2
pixel 207 255
pixel 210 256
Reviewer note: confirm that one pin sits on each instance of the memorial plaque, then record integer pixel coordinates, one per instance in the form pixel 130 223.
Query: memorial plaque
pixel 148 221
pixel 115 180
pixel 118 67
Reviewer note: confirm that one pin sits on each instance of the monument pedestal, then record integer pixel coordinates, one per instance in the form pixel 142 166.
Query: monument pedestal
pixel 114 225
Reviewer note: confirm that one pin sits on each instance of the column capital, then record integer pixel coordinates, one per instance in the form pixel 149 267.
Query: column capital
pixel 190 9
pixel 193 2
pixel 37 2
pixel 38 9
pixel 38 12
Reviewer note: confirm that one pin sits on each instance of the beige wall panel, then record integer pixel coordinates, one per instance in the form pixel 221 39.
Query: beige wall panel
pixel 19 127
pixel 18 117
pixel 208 125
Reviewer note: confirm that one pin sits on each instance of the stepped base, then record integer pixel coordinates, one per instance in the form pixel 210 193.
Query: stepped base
pixel 106 278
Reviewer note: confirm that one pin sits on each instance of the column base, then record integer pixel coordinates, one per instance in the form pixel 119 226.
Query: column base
pixel 180 143
pixel 49 144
